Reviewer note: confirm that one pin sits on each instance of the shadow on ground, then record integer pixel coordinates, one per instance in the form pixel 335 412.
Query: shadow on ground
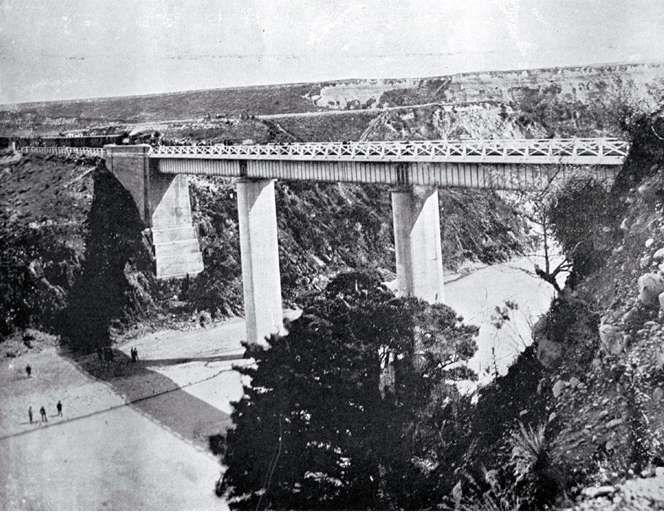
pixel 158 397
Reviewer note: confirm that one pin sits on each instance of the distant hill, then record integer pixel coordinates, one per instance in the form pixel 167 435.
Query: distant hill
pixel 363 100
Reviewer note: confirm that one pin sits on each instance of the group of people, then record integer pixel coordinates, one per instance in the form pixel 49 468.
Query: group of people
pixel 42 411
pixel 106 354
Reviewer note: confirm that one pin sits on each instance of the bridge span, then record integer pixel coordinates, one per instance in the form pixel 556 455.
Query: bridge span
pixel 155 177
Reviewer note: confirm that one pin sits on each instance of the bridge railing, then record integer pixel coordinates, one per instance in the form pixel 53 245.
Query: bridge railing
pixel 536 151
pixel 62 150
pixel 542 151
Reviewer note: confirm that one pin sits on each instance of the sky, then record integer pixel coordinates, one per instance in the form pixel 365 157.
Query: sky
pixel 70 49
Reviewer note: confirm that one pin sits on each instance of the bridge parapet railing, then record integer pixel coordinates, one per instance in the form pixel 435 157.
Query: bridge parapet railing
pixel 48 150
pixel 603 151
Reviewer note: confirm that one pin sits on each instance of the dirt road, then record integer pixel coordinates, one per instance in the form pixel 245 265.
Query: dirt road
pixel 136 440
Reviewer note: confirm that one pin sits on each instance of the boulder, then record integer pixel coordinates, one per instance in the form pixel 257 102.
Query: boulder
pixel 558 388
pixel 650 286
pixel 657 394
pixel 659 254
pixel 594 492
pixel 630 316
pixel 650 190
pixel 611 338
pixel 644 262
pixel 649 242
pixel 548 352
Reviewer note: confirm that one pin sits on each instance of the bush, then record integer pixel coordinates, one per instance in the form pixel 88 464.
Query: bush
pixel 343 412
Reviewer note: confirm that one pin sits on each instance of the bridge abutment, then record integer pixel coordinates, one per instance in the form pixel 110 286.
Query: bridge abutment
pixel 417 243
pixel 260 258
pixel 163 204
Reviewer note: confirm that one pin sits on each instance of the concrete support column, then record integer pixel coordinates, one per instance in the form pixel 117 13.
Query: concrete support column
pixel 130 165
pixel 417 243
pixel 163 204
pixel 260 258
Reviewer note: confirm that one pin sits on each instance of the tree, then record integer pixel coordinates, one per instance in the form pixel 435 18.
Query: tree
pixel 338 409
pixel 577 212
pixel 583 216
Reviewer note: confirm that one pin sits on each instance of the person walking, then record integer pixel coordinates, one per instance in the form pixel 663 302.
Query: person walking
pixel 30 413
pixel 42 411
pixel 28 370
pixel 59 407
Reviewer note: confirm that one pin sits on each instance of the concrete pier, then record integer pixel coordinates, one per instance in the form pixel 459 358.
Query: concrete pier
pixel 260 258
pixel 417 243
pixel 163 204
pixel 176 247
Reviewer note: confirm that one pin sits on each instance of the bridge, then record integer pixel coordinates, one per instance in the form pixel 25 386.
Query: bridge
pixel 155 177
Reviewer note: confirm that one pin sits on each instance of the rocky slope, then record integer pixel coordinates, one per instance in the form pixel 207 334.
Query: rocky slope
pixel 591 389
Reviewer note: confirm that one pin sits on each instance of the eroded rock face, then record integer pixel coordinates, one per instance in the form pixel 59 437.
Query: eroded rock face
pixel 612 339
pixel 650 286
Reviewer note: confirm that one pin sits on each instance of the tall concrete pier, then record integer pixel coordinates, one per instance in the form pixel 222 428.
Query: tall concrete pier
pixel 163 204
pixel 417 243
pixel 260 258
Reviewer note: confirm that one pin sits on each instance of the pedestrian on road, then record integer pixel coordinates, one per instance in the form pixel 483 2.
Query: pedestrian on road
pixel 136 353
pixel 28 370
pixel 30 413
pixel 43 413
pixel 133 354
pixel 59 407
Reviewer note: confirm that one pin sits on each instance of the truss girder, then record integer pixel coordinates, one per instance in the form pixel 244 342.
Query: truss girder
pixel 534 151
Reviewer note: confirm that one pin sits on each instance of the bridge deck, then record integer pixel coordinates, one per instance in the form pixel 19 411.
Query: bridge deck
pixel 527 164
pixel 530 151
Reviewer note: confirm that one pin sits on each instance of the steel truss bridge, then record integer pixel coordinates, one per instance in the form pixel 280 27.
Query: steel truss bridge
pixel 534 151
pixel 516 164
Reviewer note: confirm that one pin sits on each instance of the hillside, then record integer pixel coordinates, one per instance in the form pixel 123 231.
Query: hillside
pixel 588 89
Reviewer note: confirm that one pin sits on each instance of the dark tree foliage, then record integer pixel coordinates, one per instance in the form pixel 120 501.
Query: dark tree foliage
pixel 646 153
pixel 344 411
pixel 583 217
